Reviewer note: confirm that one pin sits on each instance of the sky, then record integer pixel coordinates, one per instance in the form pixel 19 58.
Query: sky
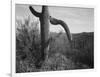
pixel 78 19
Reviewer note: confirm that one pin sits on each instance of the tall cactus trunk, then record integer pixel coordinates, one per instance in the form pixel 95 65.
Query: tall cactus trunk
pixel 44 21
pixel 44 27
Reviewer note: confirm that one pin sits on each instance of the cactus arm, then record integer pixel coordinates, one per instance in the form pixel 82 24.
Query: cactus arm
pixel 65 26
pixel 37 14
pixel 55 21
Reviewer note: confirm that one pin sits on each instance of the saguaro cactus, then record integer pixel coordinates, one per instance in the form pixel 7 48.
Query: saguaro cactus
pixel 44 27
pixel 44 24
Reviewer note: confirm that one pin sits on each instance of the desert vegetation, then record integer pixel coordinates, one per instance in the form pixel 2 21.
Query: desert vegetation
pixel 60 55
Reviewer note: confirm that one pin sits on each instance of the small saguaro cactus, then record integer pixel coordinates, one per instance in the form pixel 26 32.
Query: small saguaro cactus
pixel 44 28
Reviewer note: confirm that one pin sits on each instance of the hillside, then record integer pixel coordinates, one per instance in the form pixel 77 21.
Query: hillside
pixel 82 47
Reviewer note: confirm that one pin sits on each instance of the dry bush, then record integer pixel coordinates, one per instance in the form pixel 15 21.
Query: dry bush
pixel 27 44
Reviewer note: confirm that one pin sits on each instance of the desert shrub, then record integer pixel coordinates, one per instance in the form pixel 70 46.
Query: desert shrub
pixel 58 62
pixel 27 44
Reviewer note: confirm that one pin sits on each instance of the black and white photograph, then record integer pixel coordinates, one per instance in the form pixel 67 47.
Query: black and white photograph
pixel 53 38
